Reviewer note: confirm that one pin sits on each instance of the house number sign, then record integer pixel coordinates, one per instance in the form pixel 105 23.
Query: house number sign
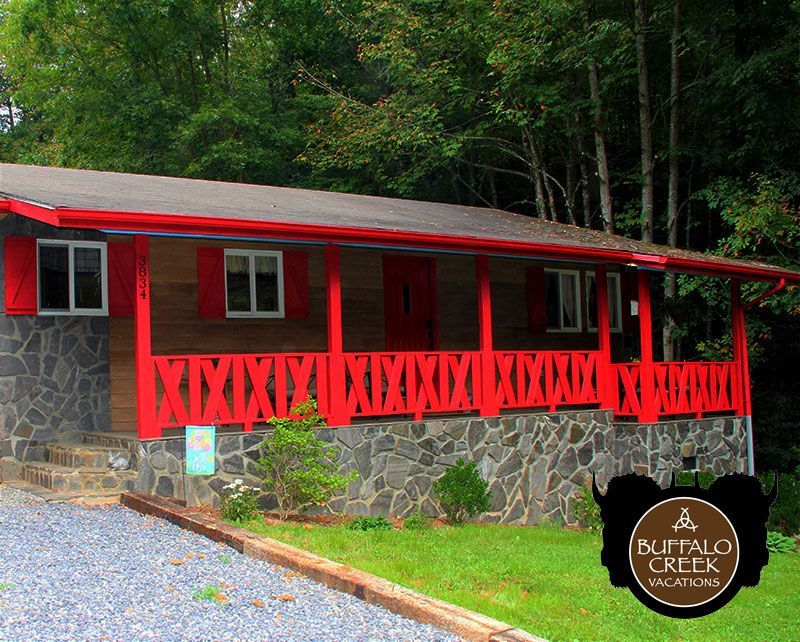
pixel 142 269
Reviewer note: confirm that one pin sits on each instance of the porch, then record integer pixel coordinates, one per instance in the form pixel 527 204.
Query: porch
pixel 479 376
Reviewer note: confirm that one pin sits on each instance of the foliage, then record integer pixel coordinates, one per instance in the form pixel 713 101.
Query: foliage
pixel 784 514
pixel 370 524
pixel 417 521
pixel 522 575
pixel 297 466
pixel 586 510
pixel 780 543
pixel 210 593
pixel 239 502
pixel 686 478
pixel 461 492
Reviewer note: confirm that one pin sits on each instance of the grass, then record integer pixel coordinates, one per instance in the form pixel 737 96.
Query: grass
pixel 546 580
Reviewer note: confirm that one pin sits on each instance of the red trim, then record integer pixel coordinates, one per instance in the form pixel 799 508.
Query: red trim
pixel 489 406
pixel 145 373
pixel 740 355
pixel 648 413
pixel 781 284
pixel 339 415
pixel 206 225
pixel 603 335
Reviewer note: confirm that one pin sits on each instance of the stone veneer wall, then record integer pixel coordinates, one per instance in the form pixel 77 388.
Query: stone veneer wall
pixel 53 369
pixel 534 463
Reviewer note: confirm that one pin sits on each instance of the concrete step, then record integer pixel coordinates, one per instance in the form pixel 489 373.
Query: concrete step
pixel 82 480
pixel 81 455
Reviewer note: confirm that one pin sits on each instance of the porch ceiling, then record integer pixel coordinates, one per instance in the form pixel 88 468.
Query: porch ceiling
pixel 157 204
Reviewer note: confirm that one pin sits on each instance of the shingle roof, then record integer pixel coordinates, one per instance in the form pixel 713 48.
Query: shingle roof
pixel 58 188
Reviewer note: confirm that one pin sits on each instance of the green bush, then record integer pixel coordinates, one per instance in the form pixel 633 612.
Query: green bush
pixel 462 493
pixel 686 478
pixel 784 514
pixel 299 468
pixel 586 510
pixel 370 524
pixel 417 522
pixel 239 502
pixel 780 543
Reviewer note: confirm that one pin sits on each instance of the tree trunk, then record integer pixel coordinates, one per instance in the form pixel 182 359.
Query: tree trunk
pixel 671 282
pixel 642 19
pixel 600 149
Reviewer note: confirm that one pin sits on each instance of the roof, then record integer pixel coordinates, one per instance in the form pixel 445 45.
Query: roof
pixel 158 204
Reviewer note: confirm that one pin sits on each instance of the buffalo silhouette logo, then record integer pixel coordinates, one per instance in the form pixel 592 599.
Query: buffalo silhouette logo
pixel 684 551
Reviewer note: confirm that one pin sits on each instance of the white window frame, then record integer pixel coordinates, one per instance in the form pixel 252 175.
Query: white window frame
pixel 73 311
pixel 613 276
pixel 253 313
pixel 578 306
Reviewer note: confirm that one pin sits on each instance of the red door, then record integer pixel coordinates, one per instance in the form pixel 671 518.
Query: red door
pixel 409 303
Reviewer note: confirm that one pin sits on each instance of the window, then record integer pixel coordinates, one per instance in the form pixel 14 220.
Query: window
pixel 72 277
pixel 614 302
pixel 562 296
pixel 254 283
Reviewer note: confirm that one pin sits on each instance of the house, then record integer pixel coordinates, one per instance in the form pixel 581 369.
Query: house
pixel 137 305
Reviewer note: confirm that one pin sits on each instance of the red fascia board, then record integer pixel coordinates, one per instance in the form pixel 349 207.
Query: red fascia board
pixel 205 225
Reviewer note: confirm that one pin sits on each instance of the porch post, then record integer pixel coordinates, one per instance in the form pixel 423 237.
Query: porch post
pixel 145 372
pixel 647 383
pixel 337 385
pixel 742 365
pixel 489 406
pixel 605 379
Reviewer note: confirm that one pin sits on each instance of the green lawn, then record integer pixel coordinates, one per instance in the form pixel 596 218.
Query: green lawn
pixel 546 580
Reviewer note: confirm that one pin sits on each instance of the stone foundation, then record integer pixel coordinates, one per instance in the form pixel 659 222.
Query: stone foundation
pixel 533 463
pixel 53 369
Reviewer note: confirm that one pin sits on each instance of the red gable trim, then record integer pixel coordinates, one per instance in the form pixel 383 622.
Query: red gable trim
pixel 187 224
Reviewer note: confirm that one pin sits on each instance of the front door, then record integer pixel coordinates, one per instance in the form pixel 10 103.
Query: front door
pixel 409 296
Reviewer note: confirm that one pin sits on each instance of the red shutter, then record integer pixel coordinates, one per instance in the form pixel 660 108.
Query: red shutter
pixel 21 286
pixel 121 279
pixel 629 292
pixel 295 284
pixel 537 300
pixel 211 282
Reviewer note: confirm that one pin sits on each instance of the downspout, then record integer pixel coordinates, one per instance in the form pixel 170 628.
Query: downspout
pixel 748 418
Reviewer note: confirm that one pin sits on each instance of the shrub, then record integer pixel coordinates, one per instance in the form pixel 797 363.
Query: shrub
pixel 461 492
pixel 299 468
pixel 586 510
pixel 780 543
pixel 370 524
pixel 417 522
pixel 784 514
pixel 239 502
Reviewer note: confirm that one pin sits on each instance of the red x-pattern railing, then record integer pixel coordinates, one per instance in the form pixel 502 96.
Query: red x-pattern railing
pixel 399 383
pixel 681 388
pixel 236 388
pixel 248 389
pixel 548 379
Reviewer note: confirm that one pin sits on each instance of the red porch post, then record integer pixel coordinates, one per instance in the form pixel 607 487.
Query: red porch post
pixel 489 406
pixel 339 415
pixel 647 383
pixel 605 376
pixel 742 365
pixel 145 372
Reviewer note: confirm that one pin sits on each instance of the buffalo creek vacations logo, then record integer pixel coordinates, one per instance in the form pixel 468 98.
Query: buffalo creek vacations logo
pixel 684 551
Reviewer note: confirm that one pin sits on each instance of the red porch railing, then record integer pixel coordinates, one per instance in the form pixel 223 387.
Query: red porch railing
pixel 681 388
pixel 248 389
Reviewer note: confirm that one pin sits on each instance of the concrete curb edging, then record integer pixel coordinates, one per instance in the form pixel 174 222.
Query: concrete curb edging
pixel 370 588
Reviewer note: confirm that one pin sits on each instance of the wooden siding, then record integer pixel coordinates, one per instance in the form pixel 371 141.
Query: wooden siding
pixel 177 329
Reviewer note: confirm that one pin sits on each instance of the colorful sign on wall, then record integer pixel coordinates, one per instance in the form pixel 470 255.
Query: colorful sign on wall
pixel 200 448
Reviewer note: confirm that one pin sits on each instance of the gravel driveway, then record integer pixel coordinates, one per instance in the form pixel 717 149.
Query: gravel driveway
pixel 69 572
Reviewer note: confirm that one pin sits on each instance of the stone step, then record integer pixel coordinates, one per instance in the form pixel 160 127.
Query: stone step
pixel 110 440
pixel 81 480
pixel 81 455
